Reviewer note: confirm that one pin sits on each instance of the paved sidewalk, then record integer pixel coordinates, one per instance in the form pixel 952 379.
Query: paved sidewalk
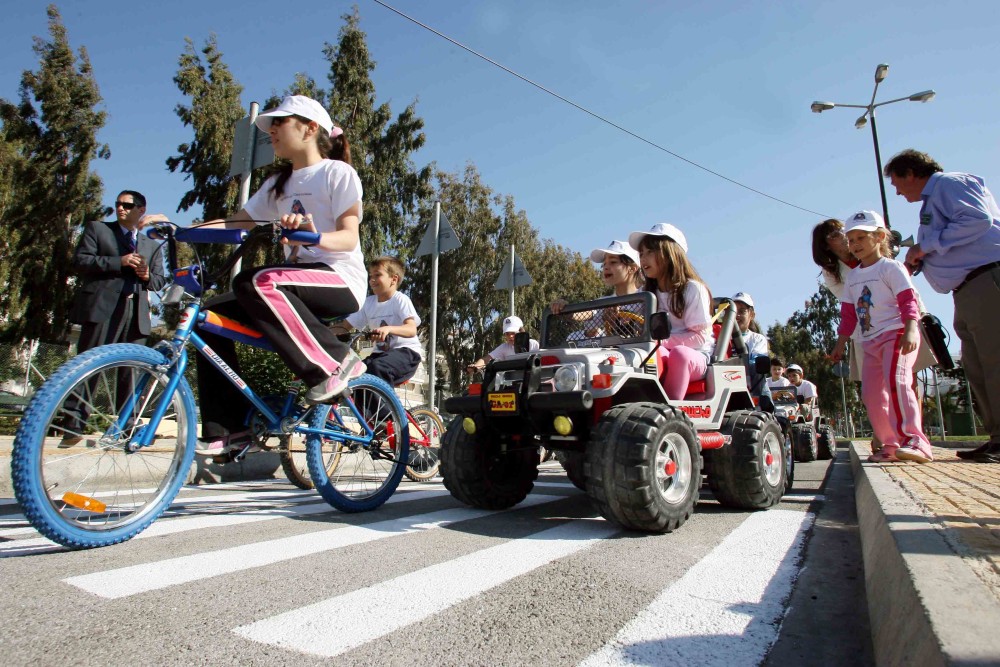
pixel 931 542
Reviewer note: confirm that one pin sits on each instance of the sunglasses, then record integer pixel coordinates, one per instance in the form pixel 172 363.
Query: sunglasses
pixel 127 205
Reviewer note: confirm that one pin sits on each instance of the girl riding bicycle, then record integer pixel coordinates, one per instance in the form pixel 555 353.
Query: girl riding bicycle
pixel 317 190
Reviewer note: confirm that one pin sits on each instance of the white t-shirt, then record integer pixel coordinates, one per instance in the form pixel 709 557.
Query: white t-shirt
pixel 756 343
pixel 325 189
pixel 807 389
pixel 831 283
pixel 780 382
pixel 394 311
pixel 871 291
pixel 696 316
pixel 507 350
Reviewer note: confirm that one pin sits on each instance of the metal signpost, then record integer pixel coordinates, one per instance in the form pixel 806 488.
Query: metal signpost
pixel 251 149
pixel 439 238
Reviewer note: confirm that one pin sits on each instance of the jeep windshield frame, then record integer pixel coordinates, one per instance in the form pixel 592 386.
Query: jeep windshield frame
pixel 606 322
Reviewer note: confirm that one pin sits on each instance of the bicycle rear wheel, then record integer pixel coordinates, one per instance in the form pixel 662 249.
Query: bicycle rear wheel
pixel 76 475
pixel 294 459
pixel 425 445
pixel 368 471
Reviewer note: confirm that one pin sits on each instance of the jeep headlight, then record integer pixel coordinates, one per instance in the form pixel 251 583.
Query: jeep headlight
pixel 567 378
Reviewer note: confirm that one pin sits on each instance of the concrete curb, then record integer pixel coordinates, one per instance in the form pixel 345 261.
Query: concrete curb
pixel 926 606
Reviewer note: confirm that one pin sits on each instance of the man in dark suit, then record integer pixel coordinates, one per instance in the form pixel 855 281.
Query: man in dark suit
pixel 118 268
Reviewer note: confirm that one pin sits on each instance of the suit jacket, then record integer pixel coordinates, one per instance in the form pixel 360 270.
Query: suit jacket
pixel 98 261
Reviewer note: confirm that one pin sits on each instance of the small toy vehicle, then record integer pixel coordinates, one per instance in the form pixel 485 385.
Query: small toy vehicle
pixel 593 395
pixel 812 438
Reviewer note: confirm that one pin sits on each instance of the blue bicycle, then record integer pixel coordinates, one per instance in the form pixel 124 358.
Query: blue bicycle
pixel 107 442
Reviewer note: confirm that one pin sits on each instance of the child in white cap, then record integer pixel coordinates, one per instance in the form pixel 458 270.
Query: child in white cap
pixel 683 295
pixel 511 326
pixel 317 190
pixel 879 297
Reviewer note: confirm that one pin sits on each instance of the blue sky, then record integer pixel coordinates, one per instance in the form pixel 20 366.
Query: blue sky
pixel 727 85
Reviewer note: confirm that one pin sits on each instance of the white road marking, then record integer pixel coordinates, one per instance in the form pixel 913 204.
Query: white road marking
pixel 126 581
pixel 726 610
pixel 378 610
pixel 167 526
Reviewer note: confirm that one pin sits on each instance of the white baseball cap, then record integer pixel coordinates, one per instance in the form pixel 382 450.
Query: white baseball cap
pixel 299 105
pixel 512 324
pixel 660 229
pixel 865 221
pixel 793 367
pixel 615 248
pixel 744 298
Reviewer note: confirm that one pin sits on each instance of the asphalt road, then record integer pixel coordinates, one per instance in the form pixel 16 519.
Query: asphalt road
pixel 262 573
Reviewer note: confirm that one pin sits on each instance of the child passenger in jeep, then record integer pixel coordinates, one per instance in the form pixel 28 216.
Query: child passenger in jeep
pixel 683 295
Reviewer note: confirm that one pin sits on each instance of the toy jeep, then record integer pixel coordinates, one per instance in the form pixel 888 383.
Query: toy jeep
pixel 808 431
pixel 593 395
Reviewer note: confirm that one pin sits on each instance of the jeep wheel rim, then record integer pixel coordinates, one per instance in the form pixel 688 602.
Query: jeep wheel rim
pixel 772 458
pixel 673 468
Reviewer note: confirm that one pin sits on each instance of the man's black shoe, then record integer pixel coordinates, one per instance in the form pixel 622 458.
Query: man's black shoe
pixel 991 455
pixel 970 454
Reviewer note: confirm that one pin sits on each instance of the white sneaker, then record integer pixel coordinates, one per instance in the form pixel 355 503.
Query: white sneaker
pixel 350 368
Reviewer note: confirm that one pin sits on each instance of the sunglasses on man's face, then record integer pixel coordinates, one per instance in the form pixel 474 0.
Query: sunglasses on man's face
pixel 127 205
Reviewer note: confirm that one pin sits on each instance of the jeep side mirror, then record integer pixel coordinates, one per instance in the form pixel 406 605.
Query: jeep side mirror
pixel 521 341
pixel 762 365
pixel 659 326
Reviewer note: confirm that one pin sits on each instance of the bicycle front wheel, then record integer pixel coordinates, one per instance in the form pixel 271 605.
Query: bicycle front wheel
pixel 369 470
pixel 425 445
pixel 76 472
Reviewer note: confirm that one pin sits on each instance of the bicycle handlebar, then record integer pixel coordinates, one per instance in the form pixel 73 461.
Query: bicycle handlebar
pixel 220 235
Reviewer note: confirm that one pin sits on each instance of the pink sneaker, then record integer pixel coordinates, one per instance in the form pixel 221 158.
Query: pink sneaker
pixel 350 368
pixel 884 455
pixel 914 453
pixel 217 446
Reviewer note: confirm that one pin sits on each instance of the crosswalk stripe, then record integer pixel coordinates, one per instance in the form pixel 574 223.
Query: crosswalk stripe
pixel 375 611
pixel 170 526
pixel 126 581
pixel 726 609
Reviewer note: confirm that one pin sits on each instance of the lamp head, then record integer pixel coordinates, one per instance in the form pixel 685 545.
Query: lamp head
pixel 820 107
pixel 925 96
pixel 881 72
pixel 861 122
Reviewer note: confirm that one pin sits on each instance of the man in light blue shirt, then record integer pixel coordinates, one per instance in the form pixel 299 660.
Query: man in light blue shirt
pixel 958 249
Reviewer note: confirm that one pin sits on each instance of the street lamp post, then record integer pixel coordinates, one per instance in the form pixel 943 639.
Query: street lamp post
pixel 880 73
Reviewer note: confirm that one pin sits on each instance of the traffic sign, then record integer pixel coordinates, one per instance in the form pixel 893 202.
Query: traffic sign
pixel 521 276
pixel 447 238
pixel 247 135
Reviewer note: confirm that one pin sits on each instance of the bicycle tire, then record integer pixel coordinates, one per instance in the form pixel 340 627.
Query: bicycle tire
pixel 425 457
pixel 111 497
pixel 294 458
pixel 368 472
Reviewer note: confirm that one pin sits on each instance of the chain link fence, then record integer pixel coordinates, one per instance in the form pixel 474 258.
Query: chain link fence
pixel 23 369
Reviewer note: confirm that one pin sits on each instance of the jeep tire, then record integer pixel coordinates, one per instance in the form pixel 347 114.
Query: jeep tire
pixel 478 471
pixel 643 468
pixel 572 463
pixel 750 472
pixel 804 443
pixel 827 441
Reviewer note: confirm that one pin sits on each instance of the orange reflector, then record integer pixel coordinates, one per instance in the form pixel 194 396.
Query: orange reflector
pixel 83 502
pixel 601 381
pixel 475 389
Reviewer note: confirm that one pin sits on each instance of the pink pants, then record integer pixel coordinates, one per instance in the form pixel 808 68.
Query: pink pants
pixel 886 387
pixel 682 365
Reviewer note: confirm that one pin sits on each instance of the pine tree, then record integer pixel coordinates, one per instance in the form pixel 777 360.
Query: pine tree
pixel 215 108
pixel 381 149
pixel 51 138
